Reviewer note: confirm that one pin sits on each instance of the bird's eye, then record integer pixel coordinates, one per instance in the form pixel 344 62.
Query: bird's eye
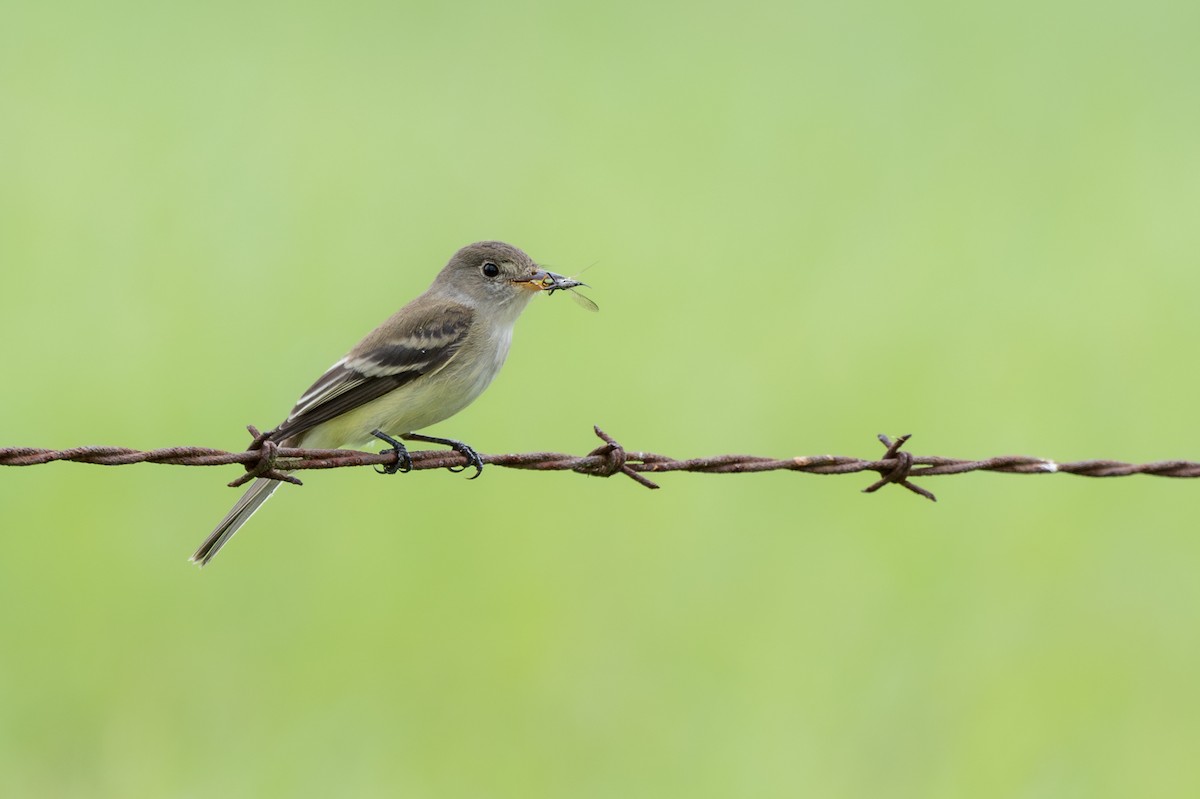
pixel 490 269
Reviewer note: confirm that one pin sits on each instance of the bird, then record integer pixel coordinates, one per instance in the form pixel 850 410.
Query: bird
pixel 424 364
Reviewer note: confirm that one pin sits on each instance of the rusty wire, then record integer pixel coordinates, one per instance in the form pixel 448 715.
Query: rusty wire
pixel 898 466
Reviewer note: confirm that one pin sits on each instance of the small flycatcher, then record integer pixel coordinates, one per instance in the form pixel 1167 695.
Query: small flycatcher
pixel 424 364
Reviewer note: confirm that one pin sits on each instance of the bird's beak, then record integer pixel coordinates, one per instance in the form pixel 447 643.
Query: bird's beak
pixel 541 280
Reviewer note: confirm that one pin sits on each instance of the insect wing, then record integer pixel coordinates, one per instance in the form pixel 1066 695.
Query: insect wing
pixel 582 301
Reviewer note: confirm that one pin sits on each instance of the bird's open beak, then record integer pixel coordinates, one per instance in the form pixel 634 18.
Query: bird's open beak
pixel 541 280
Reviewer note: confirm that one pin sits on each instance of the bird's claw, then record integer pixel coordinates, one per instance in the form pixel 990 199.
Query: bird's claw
pixel 403 463
pixel 472 457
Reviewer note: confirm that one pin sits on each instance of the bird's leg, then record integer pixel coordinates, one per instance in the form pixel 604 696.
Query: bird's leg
pixel 471 455
pixel 403 461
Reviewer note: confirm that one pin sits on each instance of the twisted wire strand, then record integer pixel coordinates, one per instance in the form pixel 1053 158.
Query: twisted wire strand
pixel 897 466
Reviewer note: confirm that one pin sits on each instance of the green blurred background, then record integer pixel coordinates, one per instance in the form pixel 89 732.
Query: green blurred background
pixel 810 222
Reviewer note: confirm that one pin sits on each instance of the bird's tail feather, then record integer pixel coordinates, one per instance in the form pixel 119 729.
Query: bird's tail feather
pixel 258 493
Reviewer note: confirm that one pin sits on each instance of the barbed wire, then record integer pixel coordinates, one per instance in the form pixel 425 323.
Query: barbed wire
pixel 265 458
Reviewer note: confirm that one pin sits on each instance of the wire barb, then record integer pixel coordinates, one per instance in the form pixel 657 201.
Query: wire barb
pixel 264 466
pixel 265 458
pixel 900 471
pixel 609 459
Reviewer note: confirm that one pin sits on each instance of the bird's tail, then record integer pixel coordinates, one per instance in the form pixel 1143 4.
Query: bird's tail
pixel 258 493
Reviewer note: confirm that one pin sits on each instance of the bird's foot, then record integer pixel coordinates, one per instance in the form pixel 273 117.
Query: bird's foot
pixel 403 461
pixel 467 452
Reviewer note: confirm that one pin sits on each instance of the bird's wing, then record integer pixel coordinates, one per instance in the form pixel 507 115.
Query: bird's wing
pixel 413 343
